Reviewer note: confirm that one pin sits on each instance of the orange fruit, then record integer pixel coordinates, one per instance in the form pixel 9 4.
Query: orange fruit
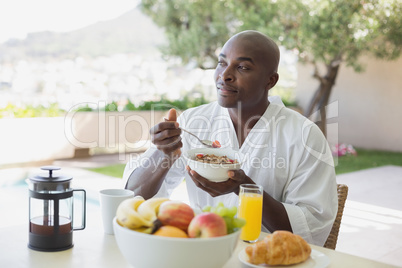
pixel 171 231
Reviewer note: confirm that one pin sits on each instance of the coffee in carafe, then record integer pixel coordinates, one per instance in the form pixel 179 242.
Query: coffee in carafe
pixel 51 205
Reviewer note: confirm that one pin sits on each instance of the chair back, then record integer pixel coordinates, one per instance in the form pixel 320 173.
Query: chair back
pixel 333 235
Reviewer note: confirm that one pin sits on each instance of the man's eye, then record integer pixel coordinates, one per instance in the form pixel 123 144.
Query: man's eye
pixel 243 68
pixel 221 63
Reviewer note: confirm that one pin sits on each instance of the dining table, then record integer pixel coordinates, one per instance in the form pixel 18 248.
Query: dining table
pixel 93 248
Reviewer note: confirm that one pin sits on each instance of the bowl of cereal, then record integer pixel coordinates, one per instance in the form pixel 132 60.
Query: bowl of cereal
pixel 214 163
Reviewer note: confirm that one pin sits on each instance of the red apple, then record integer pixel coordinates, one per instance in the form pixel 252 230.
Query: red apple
pixel 175 213
pixel 207 224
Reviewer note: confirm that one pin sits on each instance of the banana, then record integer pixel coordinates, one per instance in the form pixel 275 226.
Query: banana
pixel 128 216
pixel 145 230
pixel 139 201
pixel 149 208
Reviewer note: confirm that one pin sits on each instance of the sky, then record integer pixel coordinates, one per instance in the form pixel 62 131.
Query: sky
pixel 19 17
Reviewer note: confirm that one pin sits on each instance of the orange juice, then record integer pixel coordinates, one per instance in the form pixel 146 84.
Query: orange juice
pixel 250 209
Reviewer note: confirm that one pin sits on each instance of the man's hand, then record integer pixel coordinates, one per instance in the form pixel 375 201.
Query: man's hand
pixel 236 177
pixel 166 135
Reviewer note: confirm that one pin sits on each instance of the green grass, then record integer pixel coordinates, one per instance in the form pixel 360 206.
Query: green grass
pixel 363 160
pixel 112 170
pixel 367 159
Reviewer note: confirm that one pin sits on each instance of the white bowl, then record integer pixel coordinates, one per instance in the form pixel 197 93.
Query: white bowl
pixel 214 172
pixel 145 250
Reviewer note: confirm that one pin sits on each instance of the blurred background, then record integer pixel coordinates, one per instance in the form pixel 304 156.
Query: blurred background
pixel 67 60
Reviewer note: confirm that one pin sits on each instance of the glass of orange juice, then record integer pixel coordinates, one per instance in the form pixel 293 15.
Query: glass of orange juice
pixel 250 209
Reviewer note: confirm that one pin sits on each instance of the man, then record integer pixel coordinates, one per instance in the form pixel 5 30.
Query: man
pixel 286 153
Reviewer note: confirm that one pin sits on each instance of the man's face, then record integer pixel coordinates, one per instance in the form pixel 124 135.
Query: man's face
pixel 242 74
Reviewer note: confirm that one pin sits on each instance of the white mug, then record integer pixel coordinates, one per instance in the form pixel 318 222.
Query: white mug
pixel 110 199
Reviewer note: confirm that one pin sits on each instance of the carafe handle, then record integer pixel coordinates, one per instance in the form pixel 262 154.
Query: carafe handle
pixel 83 209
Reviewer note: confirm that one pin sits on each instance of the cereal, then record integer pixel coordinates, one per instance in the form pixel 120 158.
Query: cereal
pixel 214 159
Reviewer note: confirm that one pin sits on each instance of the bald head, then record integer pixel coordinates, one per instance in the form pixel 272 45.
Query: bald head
pixel 246 71
pixel 262 44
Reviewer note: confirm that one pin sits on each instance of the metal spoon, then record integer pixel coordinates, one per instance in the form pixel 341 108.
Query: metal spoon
pixel 207 143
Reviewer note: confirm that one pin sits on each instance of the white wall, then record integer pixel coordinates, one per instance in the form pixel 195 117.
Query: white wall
pixel 24 140
pixel 369 104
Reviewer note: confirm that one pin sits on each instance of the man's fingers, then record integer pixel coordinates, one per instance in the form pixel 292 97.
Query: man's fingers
pixel 172 115
pixel 167 149
pixel 172 142
pixel 167 134
pixel 236 175
pixel 201 182
pixel 164 126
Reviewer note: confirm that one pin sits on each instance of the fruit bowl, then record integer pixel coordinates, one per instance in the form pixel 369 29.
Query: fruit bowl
pixel 145 250
pixel 214 172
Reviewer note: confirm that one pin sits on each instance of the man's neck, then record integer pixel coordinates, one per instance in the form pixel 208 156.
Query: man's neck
pixel 244 119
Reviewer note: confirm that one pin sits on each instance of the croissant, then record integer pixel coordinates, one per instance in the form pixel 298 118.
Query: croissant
pixel 279 248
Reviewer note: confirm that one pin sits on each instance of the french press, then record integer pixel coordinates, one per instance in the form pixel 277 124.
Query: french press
pixel 51 212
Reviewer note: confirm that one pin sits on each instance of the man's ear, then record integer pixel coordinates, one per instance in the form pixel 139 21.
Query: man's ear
pixel 273 79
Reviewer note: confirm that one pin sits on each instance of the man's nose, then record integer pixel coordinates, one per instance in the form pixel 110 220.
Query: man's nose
pixel 227 75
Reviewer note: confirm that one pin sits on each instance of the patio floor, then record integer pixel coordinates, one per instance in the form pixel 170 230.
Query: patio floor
pixel 372 223
pixel 371 226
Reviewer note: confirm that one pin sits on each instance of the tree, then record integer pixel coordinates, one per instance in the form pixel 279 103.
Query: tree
pixel 194 29
pixel 321 32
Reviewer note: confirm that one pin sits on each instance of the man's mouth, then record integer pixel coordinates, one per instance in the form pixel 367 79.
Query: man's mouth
pixel 226 89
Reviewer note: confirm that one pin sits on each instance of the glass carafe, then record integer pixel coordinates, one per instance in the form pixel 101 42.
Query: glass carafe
pixel 51 204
